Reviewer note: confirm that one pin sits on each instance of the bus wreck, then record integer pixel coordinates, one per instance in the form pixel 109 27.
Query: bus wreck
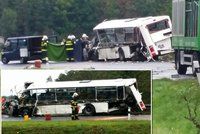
pixel 95 96
pixel 137 39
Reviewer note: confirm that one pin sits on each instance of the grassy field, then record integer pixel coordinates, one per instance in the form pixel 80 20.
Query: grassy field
pixel 77 127
pixel 169 107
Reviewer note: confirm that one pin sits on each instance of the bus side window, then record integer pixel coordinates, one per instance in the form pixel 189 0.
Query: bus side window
pixel 120 35
pixel 106 93
pixel 86 93
pixel 129 35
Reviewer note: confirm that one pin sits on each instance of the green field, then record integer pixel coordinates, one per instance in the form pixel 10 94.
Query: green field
pixel 77 127
pixel 169 107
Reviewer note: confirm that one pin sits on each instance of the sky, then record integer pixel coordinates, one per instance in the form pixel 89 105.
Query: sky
pixel 12 81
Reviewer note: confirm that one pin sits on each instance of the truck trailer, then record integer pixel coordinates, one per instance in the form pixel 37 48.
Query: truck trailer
pixel 186 35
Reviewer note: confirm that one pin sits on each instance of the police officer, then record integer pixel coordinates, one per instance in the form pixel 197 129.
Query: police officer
pixel 74 106
pixel 44 48
pixel 70 48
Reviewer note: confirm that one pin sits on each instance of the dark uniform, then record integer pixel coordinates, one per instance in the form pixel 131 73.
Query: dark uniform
pixel 44 50
pixel 78 50
pixel 70 49
pixel 75 109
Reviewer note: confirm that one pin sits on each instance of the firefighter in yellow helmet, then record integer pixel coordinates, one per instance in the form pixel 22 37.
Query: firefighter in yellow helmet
pixel 44 48
pixel 70 47
pixel 75 107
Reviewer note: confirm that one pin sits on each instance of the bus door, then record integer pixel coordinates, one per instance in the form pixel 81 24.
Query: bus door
pixel 138 97
pixel 161 33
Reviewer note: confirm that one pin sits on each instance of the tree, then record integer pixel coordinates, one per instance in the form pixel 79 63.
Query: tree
pixel 8 22
pixel 64 17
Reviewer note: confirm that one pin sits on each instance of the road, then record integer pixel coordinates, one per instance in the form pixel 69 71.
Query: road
pixel 160 69
pixel 133 117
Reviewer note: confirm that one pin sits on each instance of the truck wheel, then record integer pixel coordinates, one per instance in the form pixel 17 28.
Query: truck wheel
pixel 4 60
pixel 121 55
pixel 89 110
pixel 181 69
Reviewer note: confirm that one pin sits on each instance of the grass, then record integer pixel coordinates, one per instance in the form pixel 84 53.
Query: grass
pixel 78 127
pixel 169 108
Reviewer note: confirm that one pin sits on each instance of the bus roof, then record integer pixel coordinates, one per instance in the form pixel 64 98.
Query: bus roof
pixel 84 83
pixel 131 22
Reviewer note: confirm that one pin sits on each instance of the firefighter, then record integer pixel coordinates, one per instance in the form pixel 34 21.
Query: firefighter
pixel 75 107
pixel 70 48
pixel 44 48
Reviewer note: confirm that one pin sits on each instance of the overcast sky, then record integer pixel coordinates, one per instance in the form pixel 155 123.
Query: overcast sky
pixel 14 79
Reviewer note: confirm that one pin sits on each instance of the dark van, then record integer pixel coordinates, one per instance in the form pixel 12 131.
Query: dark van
pixel 22 48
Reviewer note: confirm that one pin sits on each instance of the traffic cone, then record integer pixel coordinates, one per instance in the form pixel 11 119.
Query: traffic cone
pixel 26 118
pixel 38 63
pixel 47 117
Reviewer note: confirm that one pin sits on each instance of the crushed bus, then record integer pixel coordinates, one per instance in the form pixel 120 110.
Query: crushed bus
pixel 95 96
pixel 136 38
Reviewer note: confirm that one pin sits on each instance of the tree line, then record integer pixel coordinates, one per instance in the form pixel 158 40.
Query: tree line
pixel 61 17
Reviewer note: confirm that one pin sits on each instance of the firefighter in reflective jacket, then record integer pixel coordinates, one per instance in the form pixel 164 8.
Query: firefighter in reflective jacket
pixel 44 48
pixel 70 48
pixel 75 107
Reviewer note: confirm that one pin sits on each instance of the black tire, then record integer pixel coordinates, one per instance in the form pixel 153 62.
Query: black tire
pixel 23 60
pixel 4 60
pixel 89 110
pixel 121 54
pixel 181 69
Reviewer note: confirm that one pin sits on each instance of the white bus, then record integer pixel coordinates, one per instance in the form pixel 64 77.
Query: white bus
pixel 95 96
pixel 136 38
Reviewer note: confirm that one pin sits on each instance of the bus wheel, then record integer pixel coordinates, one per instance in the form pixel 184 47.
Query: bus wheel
pixel 4 60
pixel 121 55
pixel 181 69
pixel 23 60
pixel 89 110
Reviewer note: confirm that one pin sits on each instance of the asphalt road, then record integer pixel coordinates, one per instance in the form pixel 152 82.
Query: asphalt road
pixel 67 117
pixel 160 69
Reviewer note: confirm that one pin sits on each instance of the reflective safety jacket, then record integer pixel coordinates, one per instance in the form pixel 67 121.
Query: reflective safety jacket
pixel 44 46
pixel 69 45
pixel 74 104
